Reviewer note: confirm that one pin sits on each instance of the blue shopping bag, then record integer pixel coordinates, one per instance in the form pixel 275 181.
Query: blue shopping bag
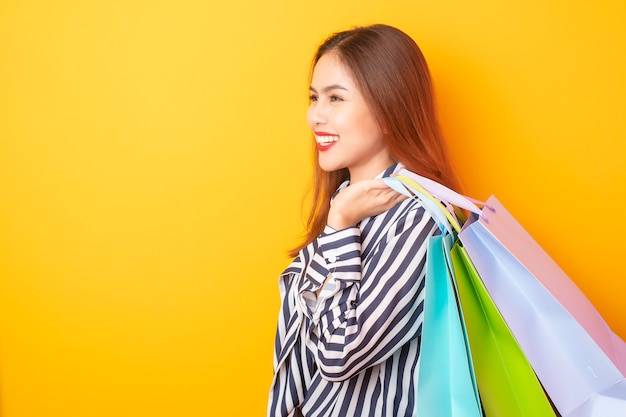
pixel 446 384
pixel 580 378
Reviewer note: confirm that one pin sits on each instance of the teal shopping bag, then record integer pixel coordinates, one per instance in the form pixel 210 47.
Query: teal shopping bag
pixel 446 385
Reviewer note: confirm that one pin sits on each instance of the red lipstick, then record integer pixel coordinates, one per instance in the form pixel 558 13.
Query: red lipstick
pixel 324 146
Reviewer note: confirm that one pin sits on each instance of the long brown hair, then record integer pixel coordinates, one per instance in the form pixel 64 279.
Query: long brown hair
pixel 392 75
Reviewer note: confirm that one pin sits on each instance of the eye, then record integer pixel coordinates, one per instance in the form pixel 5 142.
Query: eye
pixel 313 98
pixel 335 98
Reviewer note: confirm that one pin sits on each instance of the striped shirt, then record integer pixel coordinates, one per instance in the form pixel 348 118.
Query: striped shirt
pixel 354 349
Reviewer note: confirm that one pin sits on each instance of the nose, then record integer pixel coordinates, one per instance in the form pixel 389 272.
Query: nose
pixel 316 115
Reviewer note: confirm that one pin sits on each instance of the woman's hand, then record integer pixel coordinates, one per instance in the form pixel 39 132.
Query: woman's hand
pixel 361 200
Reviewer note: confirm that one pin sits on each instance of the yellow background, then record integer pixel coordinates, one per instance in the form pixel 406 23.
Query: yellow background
pixel 153 157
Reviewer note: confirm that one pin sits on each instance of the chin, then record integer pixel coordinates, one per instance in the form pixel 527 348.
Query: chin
pixel 329 167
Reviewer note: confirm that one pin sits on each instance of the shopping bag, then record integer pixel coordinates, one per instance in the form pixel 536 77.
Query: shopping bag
pixel 507 383
pixel 576 372
pixel 575 360
pixel 446 384
pixel 513 236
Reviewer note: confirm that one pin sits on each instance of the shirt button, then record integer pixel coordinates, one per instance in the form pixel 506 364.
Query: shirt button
pixel 332 259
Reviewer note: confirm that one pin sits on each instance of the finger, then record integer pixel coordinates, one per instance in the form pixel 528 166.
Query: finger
pixel 390 197
pixel 394 193
pixel 379 184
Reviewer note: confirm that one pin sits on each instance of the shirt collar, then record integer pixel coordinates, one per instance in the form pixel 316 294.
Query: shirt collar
pixel 392 169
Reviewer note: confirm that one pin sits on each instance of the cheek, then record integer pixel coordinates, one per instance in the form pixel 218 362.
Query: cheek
pixel 368 126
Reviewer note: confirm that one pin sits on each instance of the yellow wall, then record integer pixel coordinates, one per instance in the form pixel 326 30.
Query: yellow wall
pixel 153 156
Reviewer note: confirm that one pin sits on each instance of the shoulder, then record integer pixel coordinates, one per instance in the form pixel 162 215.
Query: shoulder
pixel 407 215
pixel 406 226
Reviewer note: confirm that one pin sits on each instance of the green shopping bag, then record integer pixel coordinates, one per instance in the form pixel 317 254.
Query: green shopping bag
pixel 507 383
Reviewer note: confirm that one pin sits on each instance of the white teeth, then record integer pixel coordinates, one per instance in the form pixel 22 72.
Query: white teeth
pixel 326 139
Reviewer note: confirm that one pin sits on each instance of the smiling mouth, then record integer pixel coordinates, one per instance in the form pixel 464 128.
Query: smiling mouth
pixel 326 139
pixel 325 142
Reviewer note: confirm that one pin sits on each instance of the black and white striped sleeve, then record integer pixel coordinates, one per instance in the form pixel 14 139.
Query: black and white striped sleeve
pixel 371 307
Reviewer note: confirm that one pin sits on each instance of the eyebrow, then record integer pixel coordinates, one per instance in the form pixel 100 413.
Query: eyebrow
pixel 329 88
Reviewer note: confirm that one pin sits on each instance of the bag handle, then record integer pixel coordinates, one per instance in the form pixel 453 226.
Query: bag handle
pixel 435 197
pixel 433 208
pixel 446 194
pixel 405 186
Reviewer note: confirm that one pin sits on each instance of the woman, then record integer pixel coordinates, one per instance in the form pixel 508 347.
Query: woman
pixel 349 327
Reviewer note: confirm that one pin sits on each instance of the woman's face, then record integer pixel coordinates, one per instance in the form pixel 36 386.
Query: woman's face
pixel 346 133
